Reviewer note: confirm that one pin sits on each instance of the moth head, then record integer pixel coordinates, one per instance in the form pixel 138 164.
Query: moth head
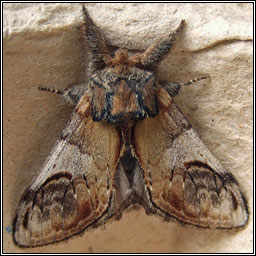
pixel 121 57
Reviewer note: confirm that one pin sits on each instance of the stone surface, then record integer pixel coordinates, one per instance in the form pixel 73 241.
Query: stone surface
pixel 42 46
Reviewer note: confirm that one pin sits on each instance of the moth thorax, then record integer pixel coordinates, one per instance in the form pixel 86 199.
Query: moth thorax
pixel 124 98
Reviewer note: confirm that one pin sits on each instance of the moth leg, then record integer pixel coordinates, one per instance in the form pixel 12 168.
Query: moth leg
pixel 174 88
pixel 51 90
pixel 74 94
pixel 157 51
pixel 95 42
pixel 71 95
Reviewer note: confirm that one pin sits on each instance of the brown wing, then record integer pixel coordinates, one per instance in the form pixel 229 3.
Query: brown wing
pixel 183 179
pixel 75 186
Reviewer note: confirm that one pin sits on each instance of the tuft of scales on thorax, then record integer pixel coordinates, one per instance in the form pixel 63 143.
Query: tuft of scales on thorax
pixel 123 95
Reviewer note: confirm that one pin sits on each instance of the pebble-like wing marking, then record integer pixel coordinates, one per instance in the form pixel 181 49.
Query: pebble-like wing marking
pixel 183 179
pixel 75 186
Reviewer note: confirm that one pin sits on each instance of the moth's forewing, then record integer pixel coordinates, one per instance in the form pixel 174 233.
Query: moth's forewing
pixel 75 186
pixel 183 179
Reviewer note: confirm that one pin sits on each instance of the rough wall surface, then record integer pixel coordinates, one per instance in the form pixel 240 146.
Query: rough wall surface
pixel 43 46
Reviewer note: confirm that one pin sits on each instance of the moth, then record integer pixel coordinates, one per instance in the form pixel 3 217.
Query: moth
pixel 127 142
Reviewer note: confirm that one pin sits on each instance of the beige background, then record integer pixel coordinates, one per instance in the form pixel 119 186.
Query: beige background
pixel 43 46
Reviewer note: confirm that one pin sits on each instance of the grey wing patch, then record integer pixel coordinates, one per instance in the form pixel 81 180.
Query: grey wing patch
pixel 183 179
pixel 58 206
pixel 200 191
pixel 216 196
pixel 74 189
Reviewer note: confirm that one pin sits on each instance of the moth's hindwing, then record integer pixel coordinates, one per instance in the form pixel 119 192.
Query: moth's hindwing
pixel 75 186
pixel 183 179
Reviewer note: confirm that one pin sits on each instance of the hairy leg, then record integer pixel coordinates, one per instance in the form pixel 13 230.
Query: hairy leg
pixel 174 88
pixel 71 95
pixel 151 57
